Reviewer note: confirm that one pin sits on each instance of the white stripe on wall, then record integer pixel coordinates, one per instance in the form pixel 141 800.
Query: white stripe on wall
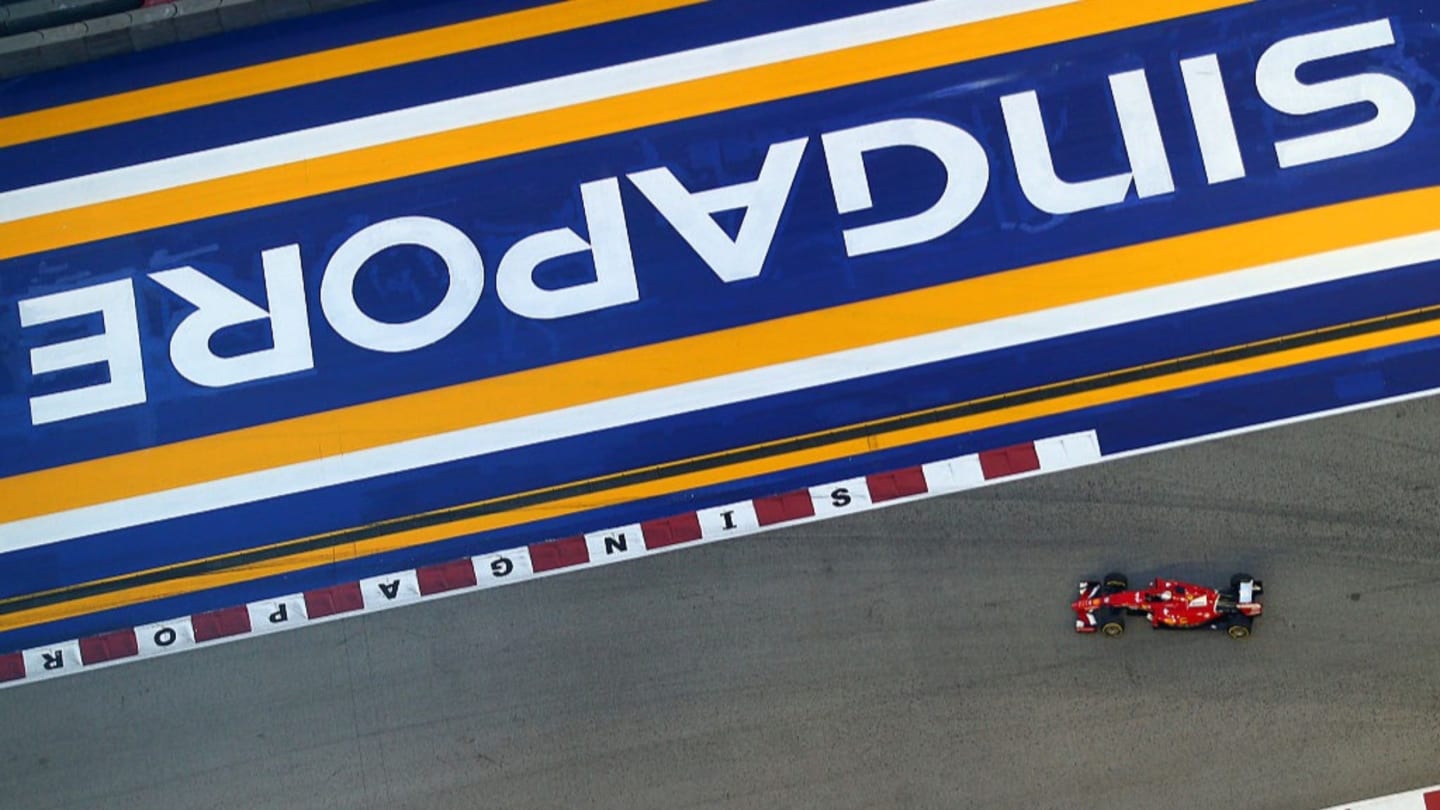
pixel 509 102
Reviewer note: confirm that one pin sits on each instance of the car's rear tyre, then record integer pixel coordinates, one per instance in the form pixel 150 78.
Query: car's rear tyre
pixel 1239 578
pixel 1116 582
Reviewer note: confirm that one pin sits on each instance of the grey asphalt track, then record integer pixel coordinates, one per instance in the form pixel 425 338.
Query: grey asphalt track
pixel 919 656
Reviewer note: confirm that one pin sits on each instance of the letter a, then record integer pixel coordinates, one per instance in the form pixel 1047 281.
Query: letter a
pixel 691 212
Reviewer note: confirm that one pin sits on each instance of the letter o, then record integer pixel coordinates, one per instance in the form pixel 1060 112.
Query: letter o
pixel 164 637
pixel 462 262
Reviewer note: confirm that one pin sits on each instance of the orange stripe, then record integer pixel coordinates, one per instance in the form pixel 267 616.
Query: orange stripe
pixel 481 142
pixel 704 356
pixel 313 68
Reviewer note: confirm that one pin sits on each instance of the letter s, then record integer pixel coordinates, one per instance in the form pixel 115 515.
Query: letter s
pixel 1280 88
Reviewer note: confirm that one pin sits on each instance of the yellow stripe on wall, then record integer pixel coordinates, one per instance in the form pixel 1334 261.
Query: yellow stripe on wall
pixel 580 122
pixel 312 68
pixel 709 355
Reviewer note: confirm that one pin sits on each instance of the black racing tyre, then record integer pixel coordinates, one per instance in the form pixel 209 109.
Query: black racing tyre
pixel 1239 626
pixel 1116 582
pixel 1113 628
pixel 1239 578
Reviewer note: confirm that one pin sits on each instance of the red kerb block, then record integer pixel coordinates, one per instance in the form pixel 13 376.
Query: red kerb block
pixel 1432 800
pixel 558 554
pixel 233 621
pixel 336 599
pixel 897 484
pixel 780 508
pixel 12 667
pixel 445 577
pixel 1014 460
pixel 672 530
pixel 109 646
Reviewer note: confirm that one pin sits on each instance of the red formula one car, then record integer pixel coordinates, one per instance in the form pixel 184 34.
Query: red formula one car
pixel 1167 603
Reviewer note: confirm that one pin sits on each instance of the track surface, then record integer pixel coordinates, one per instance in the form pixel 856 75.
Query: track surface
pixel 919 656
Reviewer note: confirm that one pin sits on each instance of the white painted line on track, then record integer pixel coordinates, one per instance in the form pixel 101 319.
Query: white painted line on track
pixel 713 524
pixel 1422 799
pixel 720 391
